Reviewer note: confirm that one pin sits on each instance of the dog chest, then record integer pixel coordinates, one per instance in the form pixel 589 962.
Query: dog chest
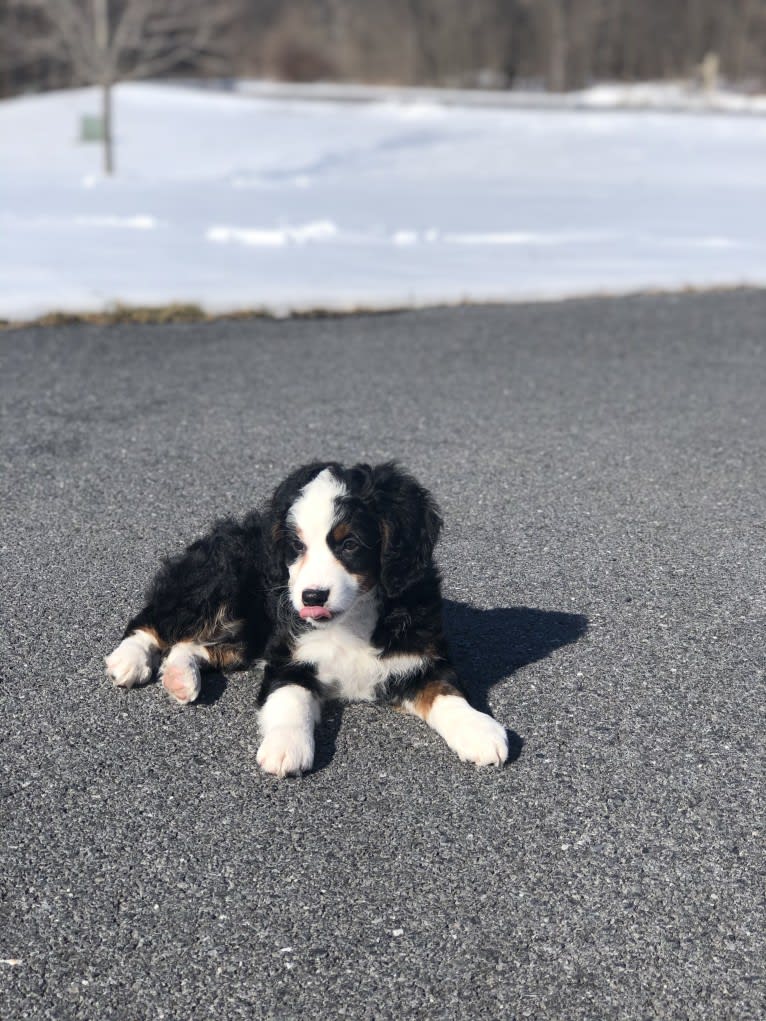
pixel 348 665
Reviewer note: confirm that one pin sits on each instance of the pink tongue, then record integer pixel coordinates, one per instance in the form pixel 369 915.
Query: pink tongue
pixel 315 612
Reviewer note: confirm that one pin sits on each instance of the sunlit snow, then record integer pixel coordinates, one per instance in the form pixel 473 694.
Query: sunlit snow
pixel 233 201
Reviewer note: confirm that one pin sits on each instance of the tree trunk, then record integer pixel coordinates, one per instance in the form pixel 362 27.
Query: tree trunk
pixel 106 122
pixel 101 40
pixel 557 47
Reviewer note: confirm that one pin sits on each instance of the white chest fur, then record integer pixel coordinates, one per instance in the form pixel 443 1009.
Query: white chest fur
pixel 345 661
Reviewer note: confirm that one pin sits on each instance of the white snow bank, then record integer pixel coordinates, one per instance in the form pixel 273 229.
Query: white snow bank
pixel 234 202
pixel 681 95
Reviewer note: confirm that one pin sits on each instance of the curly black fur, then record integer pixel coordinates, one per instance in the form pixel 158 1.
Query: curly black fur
pixel 229 588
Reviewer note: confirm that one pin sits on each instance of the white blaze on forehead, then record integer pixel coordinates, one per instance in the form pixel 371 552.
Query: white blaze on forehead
pixel 313 513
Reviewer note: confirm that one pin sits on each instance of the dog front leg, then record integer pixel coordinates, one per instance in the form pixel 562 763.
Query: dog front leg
pixel 472 735
pixel 290 711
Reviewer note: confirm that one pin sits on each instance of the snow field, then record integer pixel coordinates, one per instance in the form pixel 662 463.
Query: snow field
pixel 235 202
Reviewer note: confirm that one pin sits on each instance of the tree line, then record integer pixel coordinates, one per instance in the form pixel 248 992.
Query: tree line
pixel 551 44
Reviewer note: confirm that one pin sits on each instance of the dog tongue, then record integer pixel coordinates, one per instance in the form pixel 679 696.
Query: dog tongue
pixel 315 612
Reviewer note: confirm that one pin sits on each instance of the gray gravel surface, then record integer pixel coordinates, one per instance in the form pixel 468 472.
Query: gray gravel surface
pixel 600 465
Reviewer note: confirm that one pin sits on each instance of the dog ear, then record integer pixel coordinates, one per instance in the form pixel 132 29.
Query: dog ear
pixel 410 524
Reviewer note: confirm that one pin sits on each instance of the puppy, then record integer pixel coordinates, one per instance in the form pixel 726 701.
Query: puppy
pixel 335 587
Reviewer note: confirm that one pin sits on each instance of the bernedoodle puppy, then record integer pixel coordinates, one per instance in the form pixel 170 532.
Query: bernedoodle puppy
pixel 335 587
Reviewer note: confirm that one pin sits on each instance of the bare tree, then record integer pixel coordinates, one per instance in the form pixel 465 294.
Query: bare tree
pixel 108 41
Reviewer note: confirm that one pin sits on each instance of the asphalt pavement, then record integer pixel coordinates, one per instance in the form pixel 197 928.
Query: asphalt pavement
pixel 601 469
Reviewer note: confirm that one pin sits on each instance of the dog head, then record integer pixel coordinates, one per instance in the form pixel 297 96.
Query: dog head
pixel 338 533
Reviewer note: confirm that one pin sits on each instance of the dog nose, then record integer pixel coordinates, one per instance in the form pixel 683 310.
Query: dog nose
pixel 315 596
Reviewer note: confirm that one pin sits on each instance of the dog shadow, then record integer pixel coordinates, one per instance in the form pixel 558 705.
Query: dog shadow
pixel 214 684
pixel 488 646
pixel 326 734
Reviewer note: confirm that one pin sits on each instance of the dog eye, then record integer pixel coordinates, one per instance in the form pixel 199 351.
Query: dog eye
pixel 297 547
pixel 350 545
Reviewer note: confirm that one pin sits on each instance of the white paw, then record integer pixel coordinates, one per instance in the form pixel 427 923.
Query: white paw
pixel 132 662
pixel 483 742
pixel 182 680
pixel 285 751
pixel 473 736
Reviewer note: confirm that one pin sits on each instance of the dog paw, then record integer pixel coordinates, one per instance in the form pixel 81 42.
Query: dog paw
pixel 182 681
pixel 473 736
pixel 131 663
pixel 481 740
pixel 286 751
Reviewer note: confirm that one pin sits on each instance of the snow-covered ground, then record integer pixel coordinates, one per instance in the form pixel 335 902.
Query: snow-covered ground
pixel 233 201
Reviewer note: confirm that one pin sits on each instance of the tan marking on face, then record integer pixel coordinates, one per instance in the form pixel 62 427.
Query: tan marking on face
pixel 341 531
pixel 364 581
pixel 425 698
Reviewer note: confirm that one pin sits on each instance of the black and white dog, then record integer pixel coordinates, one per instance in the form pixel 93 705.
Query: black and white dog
pixel 334 586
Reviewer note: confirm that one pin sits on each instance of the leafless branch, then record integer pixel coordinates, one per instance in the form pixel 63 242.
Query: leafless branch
pixel 71 29
pixel 148 37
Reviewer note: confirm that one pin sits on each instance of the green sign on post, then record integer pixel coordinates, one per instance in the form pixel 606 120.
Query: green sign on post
pixel 91 128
